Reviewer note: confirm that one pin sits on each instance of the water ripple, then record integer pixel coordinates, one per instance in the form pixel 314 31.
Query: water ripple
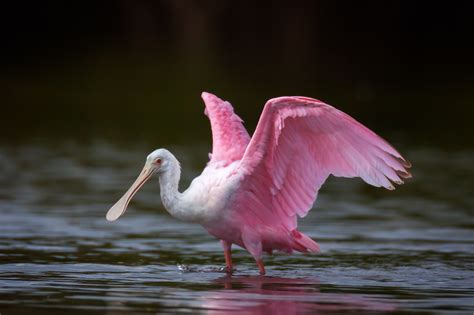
pixel 407 251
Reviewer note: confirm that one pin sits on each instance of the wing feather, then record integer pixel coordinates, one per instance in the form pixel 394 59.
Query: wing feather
pixel 297 144
pixel 229 136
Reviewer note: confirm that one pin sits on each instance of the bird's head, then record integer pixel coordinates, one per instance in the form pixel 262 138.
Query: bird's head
pixel 158 161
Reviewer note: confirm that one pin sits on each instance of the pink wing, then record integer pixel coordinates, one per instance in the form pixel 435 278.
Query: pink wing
pixel 229 137
pixel 298 143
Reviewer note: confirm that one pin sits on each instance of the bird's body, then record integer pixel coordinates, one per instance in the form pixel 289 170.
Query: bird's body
pixel 253 189
pixel 207 196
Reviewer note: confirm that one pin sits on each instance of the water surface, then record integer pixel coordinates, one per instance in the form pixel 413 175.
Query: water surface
pixel 407 251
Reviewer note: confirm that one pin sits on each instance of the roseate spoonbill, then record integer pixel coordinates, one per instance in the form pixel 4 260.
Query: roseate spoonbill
pixel 253 189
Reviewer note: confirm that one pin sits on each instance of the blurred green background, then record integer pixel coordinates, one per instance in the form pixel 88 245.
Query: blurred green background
pixel 134 70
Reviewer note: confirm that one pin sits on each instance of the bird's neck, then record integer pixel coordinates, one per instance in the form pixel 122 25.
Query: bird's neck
pixel 169 183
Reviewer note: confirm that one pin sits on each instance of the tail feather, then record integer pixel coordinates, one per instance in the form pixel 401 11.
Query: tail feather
pixel 303 243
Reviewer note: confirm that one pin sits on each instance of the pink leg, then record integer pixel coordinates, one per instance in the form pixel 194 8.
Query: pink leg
pixel 253 244
pixel 261 267
pixel 228 255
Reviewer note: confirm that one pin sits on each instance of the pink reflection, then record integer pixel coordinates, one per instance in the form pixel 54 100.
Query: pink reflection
pixel 268 295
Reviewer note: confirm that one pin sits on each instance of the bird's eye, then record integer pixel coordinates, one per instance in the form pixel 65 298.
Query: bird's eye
pixel 158 161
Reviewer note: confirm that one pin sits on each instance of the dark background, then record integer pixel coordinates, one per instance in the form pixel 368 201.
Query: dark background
pixel 135 69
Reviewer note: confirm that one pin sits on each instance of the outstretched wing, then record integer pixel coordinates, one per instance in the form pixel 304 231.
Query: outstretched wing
pixel 229 137
pixel 297 144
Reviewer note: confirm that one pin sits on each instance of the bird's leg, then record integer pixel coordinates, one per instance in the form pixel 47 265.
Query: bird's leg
pixel 228 260
pixel 253 244
pixel 228 255
pixel 261 267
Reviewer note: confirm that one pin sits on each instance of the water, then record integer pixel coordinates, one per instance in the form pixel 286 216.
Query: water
pixel 407 251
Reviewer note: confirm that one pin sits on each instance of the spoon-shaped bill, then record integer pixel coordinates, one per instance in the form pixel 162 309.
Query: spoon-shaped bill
pixel 119 208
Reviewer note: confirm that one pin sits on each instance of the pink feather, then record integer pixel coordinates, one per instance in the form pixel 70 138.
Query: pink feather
pixel 229 136
pixel 298 143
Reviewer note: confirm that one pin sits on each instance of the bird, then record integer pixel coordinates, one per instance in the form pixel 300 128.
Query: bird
pixel 253 189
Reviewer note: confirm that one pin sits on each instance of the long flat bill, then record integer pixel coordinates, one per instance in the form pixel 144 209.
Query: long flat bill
pixel 120 206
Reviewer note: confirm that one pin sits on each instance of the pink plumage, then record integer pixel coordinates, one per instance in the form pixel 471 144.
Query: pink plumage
pixel 229 137
pixel 253 190
pixel 298 143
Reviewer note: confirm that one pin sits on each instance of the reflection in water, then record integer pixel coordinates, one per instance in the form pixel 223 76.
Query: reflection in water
pixel 275 295
pixel 411 249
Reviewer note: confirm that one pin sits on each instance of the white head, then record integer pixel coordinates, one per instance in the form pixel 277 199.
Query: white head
pixel 158 161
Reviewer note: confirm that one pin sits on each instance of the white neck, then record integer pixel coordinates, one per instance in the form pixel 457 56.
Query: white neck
pixel 169 183
pixel 191 205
